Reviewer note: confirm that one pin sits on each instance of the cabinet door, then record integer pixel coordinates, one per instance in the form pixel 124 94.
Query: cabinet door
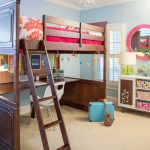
pixel 126 92
pixel 8 25
pixel 9 109
pixel 8 126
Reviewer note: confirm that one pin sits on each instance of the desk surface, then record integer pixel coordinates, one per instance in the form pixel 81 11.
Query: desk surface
pixel 8 87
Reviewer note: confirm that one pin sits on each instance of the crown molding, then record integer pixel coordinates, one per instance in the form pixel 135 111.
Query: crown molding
pixel 63 3
pixel 100 4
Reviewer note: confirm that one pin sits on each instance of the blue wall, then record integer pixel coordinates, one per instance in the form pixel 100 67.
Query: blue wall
pixel 132 13
pixel 37 8
pixel 86 67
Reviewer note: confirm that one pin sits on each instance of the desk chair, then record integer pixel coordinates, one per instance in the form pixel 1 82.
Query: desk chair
pixel 47 104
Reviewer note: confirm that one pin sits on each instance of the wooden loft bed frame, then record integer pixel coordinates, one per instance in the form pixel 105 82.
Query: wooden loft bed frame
pixel 9 109
pixel 64 47
pixel 93 88
pixel 68 47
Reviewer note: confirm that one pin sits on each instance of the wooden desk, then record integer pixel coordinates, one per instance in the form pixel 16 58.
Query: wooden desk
pixel 8 87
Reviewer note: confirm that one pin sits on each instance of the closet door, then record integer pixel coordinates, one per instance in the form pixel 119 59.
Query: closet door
pixel 9 108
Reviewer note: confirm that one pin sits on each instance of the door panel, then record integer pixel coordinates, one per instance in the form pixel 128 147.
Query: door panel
pixel 9 110
pixel 7 25
pixel 7 125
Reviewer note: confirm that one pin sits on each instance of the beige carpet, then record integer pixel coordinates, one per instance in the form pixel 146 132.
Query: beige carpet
pixel 130 131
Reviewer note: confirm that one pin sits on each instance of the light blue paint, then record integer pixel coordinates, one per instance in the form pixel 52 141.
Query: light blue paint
pixel 38 8
pixel 132 13
pixel 71 65
pixel 86 71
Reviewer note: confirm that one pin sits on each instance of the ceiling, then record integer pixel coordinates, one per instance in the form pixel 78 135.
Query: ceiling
pixel 74 3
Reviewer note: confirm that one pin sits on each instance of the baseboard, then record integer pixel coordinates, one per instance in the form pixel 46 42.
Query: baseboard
pixel 25 109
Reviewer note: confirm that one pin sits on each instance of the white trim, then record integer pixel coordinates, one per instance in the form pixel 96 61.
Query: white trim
pixel 110 3
pixel 114 26
pixel 77 7
pixel 63 3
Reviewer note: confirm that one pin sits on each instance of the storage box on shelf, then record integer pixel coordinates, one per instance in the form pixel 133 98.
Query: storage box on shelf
pixel 134 93
pixel 58 75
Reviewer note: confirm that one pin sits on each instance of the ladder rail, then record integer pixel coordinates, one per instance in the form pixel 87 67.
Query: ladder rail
pixel 36 101
pixel 56 102
pixel 35 98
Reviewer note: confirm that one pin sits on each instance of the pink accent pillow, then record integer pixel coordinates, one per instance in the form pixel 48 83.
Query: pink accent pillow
pixel 30 28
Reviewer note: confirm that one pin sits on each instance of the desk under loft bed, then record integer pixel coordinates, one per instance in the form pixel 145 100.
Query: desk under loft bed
pixel 73 36
pixel 65 36
pixel 68 36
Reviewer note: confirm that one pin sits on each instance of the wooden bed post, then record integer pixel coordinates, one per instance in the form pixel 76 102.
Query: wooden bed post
pixel 16 77
pixel 80 32
pixel 44 27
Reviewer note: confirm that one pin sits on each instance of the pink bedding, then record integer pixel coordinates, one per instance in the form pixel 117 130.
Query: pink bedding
pixel 70 40
pixel 32 29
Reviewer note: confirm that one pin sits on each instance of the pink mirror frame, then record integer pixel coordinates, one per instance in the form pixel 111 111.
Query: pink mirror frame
pixel 131 33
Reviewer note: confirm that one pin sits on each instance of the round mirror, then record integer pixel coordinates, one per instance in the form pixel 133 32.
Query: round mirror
pixel 138 40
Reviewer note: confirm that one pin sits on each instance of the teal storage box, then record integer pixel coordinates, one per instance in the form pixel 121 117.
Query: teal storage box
pixel 97 111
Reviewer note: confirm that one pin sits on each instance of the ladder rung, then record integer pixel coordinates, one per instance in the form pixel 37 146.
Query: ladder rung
pixel 52 124
pixel 41 74
pixel 44 74
pixel 41 84
pixel 39 47
pixel 37 52
pixel 46 98
pixel 65 147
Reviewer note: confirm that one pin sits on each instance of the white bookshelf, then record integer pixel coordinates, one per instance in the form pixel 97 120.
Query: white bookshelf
pixel 134 93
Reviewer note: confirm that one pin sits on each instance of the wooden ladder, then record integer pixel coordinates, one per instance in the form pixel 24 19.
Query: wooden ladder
pixel 36 100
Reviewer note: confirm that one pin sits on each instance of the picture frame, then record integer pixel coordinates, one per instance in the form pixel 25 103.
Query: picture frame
pixel 35 61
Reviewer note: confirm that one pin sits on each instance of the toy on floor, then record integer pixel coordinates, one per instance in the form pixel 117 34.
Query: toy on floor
pixel 108 121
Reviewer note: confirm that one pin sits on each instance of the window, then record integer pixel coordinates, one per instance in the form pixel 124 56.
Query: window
pixel 115 44
pixel 99 67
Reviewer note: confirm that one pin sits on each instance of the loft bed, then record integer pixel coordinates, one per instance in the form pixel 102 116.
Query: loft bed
pixel 66 36
pixel 82 40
